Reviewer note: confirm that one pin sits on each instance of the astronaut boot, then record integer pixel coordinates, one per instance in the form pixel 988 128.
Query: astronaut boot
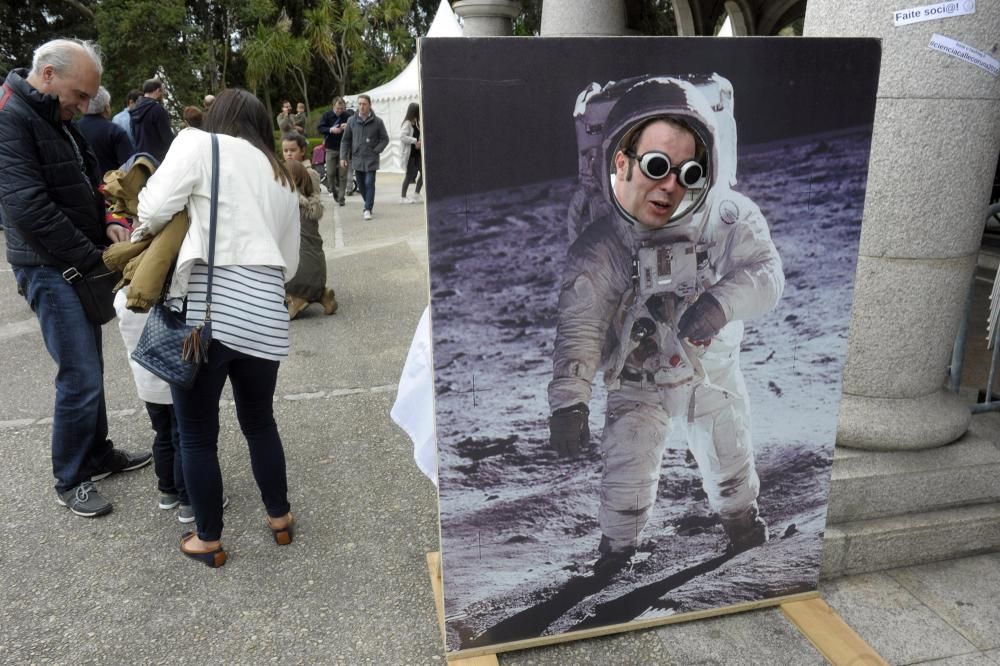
pixel 745 531
pixel 611 561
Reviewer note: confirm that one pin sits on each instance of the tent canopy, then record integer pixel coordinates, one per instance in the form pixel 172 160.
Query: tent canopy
pixel 390 100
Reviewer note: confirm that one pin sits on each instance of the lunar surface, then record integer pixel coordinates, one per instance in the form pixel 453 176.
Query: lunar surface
pixel 518 524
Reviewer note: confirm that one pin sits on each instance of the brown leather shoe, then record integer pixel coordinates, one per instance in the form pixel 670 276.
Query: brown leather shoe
pixel 329 301
pixel 295 306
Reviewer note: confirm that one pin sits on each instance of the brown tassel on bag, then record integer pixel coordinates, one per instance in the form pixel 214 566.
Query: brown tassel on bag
pixel 194 350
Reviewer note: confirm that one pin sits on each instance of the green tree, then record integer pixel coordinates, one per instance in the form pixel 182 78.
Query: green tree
pixel 335 30
pixel 273 54
pixel 26 25
pixel 143 39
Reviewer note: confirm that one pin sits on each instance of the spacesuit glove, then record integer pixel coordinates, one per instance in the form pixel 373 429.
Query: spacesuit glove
pixel 569 430
pixel 702 320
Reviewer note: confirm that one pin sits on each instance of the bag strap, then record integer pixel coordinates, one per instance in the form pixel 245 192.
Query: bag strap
pixel 213 219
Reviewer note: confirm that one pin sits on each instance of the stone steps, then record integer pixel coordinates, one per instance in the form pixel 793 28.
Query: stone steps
pixel 900 541
pixel 891 509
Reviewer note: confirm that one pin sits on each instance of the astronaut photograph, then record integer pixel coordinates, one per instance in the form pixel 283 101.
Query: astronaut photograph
pixel 642 255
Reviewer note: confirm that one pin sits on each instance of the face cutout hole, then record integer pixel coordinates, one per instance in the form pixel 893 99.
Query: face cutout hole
pixel 659 173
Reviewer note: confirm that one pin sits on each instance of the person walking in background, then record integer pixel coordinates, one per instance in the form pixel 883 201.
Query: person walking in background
pixel 364 140
pixel 331 126
pixel 122 118
pixel 53 217
pixel 256 253
pixel 150 122
pixel 110 143
pixel 192 116
pixel 409 135
pixel 309 284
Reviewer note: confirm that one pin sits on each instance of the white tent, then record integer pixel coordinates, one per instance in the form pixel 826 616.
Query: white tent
pixel 389 100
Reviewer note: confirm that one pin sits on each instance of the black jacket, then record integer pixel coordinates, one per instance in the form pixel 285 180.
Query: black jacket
pixel 330 119
pixel 110 143
pixel 151 128
pixel 51 212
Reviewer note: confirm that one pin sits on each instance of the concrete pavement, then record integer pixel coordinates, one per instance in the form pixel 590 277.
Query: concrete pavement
pixel 353 588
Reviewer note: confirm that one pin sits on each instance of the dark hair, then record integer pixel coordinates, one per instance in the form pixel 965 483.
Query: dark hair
pixel 133 95
pixel 151 85
pixel 192 116
pixel 297 138
pixel 363 96
pixel 284 102
pixel 412 113
pixel 631 138
pixel 238 113
pixel 336 99
pixel 300 176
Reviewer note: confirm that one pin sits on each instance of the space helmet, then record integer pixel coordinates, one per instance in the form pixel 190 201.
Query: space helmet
pixel 605 114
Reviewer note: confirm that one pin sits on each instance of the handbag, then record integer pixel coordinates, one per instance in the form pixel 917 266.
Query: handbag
pixel 169 347
pixel 95 291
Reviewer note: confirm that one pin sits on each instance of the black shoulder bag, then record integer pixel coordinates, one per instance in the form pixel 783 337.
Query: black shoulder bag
pixel 169 347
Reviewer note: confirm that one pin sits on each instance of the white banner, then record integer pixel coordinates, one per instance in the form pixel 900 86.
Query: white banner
pixel 932 12
pixel 965 52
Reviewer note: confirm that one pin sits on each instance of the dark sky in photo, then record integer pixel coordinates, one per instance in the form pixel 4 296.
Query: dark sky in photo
pixel 498 112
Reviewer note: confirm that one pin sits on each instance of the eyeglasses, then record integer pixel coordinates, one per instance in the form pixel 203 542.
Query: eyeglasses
pixel 656 165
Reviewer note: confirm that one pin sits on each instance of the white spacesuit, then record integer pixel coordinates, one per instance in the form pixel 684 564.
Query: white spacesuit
pixel 625 290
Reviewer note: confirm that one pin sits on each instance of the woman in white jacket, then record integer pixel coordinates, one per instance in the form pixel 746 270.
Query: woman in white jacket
pixel 409 136
pixel 256 252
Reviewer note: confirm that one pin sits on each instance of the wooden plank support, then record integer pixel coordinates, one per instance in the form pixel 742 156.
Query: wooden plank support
pixel 434 565
pixel 828 632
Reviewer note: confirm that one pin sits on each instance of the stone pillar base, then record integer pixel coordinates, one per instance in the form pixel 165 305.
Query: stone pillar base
pixel 897 424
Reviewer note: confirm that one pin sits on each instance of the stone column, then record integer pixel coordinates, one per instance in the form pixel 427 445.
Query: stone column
pixel 565 18
pixel 487 18
pixel 934 151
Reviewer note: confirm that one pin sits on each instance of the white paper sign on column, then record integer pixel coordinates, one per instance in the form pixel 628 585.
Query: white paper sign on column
pixel 932 12
pixel 965 52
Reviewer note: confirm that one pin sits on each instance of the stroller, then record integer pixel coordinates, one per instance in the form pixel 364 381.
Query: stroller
pixel 319 163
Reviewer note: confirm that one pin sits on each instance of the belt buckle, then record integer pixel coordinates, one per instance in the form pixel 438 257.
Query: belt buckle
pixel 72 275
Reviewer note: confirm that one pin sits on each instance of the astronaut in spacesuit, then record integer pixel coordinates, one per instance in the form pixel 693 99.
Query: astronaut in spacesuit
pixel 654 293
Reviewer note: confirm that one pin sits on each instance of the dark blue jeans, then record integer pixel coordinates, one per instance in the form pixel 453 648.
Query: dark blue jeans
pixel 253 380
pixel 80 445
pixel 366 183
pixel 167 451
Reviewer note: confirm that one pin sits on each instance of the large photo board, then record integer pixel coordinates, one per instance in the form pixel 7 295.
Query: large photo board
pixel 642 255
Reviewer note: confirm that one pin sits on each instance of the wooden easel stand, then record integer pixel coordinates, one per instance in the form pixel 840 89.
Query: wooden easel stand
pixel 826 630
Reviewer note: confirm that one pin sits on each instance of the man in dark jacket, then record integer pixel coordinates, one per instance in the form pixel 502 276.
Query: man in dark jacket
pixel 110 143
pixel 364 139
pixel 150 122
pixel 331 126
pixel 53 219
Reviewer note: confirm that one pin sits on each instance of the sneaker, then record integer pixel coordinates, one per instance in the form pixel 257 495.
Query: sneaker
pixel 367 215
pixel 185 514
pixel 168 501
pixel 415 198
pixel 123 461
pixel 406 200
pixel 342 202
pixel 84 500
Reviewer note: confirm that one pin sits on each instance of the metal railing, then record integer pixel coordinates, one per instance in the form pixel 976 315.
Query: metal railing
pixel 988 404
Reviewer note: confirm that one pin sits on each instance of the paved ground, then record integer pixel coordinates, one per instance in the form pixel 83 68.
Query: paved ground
pixel 353 588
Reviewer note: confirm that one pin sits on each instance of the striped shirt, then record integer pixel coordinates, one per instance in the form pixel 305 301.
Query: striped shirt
pixel 248 308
